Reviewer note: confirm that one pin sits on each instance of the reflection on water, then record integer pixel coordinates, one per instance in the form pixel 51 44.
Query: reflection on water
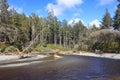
pixel 66 68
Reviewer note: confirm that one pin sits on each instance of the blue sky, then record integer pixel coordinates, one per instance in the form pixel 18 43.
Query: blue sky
pixel 88 11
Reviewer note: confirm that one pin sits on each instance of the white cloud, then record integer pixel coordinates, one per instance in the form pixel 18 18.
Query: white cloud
pixel 74 21
pixel 62 5
pixel 56 8
pixel 104 2
pixel 69 3
pixel 94 22
pixel 19 10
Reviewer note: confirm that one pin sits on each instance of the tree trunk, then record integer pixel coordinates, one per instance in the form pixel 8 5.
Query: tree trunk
pixel 55 39
pixel 60 39
pixel 33 32
pixel 64 41
pixel 32 42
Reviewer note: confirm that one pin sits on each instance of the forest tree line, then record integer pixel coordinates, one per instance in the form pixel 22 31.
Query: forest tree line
pixel 19 30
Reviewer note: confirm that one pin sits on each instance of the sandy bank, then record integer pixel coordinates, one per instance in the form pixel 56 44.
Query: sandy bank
pixel 16 57
pixel 14 61
pixel 105 55
pixel 8 57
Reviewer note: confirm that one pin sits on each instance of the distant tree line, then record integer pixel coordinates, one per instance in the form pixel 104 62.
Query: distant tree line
pixel 19 30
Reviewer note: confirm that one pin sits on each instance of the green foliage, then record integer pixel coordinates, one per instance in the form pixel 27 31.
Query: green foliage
pixel 3 46
pixel 105 40
pixel 11 49
pixel 37 48
pixel 49 47
pixel 52 46
pixel 4 15
pixel 94 28
pixel 116 21
pixel 107 21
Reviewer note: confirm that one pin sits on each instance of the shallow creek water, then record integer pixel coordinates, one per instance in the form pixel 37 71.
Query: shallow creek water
pixel 67 68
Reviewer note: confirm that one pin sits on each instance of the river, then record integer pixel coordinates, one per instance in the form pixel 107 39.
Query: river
pixel 70 67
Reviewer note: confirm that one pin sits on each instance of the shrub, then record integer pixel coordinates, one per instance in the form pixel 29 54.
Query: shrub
pixel 10 49
pixel 105 40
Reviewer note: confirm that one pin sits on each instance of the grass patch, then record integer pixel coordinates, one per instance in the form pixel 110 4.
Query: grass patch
pixel 40 48
pixel 52 46
pixel 49 47
pixel 3 46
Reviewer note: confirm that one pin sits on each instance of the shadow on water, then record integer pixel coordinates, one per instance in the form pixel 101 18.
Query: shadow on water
pixel 67 68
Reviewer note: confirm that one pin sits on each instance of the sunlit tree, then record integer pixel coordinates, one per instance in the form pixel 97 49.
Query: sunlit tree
pixel 107 21
pixel 116 20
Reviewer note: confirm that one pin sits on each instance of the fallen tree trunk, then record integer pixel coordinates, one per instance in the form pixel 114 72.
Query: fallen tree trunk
pixel 32 42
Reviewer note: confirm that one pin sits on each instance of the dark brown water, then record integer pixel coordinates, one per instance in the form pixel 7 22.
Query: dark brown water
pixel 66 68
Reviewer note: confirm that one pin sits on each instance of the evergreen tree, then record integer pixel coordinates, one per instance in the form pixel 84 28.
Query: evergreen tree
pixel 107 21
pixel 60 32
pixel 56 30
pixel 94 28
pixel 4 13
pixel 116 21
pixel 4 20
pixel 53 26
pixel 65 33
pixel 50 25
